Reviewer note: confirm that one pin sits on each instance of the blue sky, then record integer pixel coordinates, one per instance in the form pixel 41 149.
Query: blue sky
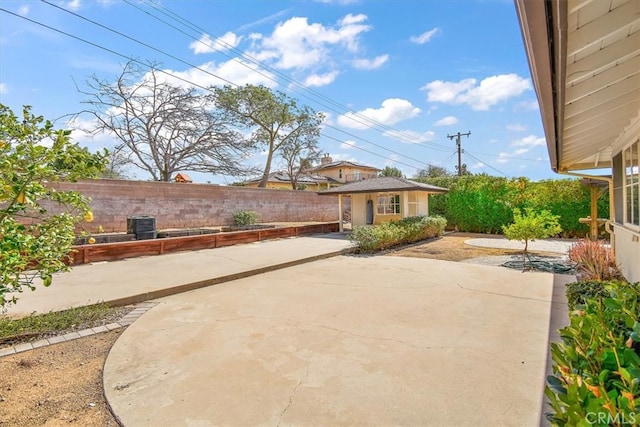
pixel 417 70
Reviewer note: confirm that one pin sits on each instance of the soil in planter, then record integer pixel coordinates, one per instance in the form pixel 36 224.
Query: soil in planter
pixel 245 227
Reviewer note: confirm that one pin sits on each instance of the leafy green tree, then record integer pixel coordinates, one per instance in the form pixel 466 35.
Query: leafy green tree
pixel 37 222
pixel 390 171
pixel 531 225
pixel 276 121
pixel 432 171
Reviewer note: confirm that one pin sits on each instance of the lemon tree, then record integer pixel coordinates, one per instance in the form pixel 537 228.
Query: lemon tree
pixel 37 223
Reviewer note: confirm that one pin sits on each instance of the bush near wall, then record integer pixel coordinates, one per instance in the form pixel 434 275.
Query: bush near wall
pixel 407 230
pixel 483 203
pixel 596 370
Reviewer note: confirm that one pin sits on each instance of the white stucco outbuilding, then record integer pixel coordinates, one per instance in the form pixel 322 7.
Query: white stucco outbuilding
pixel 378 200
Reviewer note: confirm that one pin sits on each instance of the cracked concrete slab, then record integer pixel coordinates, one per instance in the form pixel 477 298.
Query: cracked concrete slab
pixel 350 340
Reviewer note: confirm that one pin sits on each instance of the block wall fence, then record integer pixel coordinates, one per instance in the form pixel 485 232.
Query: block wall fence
pixel 185 205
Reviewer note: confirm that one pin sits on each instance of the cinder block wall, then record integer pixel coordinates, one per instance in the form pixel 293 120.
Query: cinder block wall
pixel 182 205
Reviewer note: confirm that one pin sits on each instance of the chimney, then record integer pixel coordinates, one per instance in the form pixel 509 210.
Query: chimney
pixel 325 160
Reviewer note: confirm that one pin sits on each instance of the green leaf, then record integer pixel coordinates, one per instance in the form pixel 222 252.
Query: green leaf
pixel 556 385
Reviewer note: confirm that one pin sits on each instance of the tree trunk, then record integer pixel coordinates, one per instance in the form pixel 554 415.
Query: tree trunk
pixel 267 168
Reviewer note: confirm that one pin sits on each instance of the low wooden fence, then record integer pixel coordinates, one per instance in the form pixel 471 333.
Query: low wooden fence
pixel 84 254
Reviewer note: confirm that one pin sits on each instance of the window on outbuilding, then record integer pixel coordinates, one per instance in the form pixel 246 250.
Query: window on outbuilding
pixel 631 185
pixel 389 204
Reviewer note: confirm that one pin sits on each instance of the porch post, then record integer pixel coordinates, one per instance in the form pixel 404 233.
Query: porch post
pixel 594 212
pixel 405 204
pixel 340 226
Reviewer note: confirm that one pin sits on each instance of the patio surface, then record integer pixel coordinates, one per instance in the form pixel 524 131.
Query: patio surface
pixel 348 340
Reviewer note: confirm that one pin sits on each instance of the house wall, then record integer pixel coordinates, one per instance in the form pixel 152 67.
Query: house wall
pixel 627 248
pixel 335 172
pixel 287 186
pixel 181 205
pixel 359 209
pixel 412 203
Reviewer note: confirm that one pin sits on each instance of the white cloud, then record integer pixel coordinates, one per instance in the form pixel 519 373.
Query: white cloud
pixel 208 45
pixel 3 88
pixel 483 96
pixel 409 136
pixel 446 121
pixel 392 111
pixel 478 165
pixel 424 37
pixel 348 145
pixel 296 43
pixel 370 64
pixel 23 10
pixel 318 80
pixel 269 18
pixel 74 5
pixel 503 157
pixel 336 157
pixel 516 127
pixel 232 71
pixel 529 141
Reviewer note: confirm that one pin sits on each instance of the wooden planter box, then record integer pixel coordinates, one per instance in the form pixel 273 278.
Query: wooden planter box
pixel 83 254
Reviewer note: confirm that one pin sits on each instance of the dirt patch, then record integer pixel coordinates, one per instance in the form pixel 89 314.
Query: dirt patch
pixel 62 384
pixel 57 385
pixel 451 247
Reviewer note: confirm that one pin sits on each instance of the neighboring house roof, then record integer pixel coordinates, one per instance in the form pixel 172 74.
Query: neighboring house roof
pixel 283 177
pixel 384 184
pixel 342 164
pixel 585 66
pixel 182 177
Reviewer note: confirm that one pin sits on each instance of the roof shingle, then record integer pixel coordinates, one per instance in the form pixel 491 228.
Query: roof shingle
pixel 383 184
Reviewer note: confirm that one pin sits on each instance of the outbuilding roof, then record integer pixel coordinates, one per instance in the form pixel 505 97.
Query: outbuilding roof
pixel 383 185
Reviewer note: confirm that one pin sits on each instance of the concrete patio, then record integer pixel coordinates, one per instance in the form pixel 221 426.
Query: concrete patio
pixel 348 340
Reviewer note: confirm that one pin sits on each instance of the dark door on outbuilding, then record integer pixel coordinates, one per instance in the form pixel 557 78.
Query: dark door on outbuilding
pixel 369 212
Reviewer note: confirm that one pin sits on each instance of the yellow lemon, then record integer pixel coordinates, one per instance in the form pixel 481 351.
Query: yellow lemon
pixel 88 216
pixel 91 240
pixel 21 198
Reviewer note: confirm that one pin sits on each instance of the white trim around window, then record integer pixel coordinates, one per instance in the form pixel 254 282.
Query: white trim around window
pixel 631 186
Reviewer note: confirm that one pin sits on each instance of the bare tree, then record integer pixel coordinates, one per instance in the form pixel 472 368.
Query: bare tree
pixel 275 120
pixel 118 160
pixel 163 128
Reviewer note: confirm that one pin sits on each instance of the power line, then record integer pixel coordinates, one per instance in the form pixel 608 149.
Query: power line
pixel 459 146
pixel 176 76
pixel 296 84
pixel 206 71
pixel 486 164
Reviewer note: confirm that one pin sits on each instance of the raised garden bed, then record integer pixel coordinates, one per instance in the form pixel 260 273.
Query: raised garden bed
pixel 186 232
pixel 230 228
pixel 84 254
pixel 105 238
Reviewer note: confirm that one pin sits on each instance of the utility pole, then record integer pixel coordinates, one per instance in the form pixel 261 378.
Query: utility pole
pixel 459 145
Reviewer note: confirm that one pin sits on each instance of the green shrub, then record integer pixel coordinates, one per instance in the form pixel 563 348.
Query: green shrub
pixel 579 292
pixel 594 260
pixel 245 218
pixel 483 203
pixel 596 371
pixel 531 225
pixel 407 230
